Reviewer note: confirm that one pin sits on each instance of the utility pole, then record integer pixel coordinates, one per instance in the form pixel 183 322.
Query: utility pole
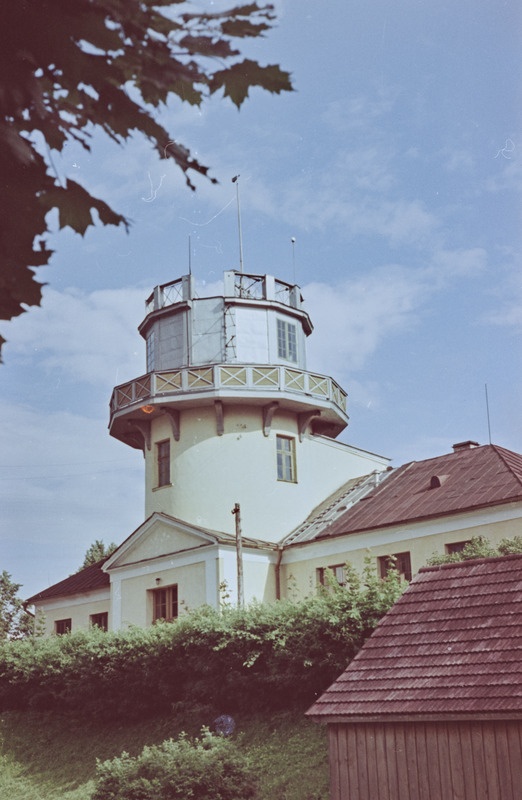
pixel 239 556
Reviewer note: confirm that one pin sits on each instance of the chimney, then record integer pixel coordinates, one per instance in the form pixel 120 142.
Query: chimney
pixel 460 446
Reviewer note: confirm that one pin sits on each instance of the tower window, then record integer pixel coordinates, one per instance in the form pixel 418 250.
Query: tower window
pixel 165 603
pixel 150 352
pixel 285 446
pixel 163 460
pixel 286 340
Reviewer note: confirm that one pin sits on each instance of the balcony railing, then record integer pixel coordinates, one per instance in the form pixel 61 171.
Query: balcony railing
pixel 231 377
pixel 245 286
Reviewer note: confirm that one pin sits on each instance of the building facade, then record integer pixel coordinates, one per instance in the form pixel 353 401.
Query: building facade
pixel 431 706
pixel 248 491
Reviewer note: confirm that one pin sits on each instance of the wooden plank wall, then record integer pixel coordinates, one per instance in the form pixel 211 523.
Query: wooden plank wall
pixel 426 760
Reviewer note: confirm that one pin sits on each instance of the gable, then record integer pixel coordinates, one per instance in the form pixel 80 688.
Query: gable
pixel 158 536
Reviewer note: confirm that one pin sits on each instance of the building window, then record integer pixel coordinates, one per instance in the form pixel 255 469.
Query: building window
pixel 338 571
pixel 163 460
pixel 399 561
pixel 286 340
pixel 100 621
pixel 456 547
pixel 165 604
pixel 62 626
pixel 285 459
pixel 150 352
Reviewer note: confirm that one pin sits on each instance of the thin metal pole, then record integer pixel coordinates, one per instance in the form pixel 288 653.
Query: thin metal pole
pixel 235 180
pixel 239 556
pixel 487 412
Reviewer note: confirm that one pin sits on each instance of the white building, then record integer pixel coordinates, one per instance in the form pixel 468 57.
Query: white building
pixel 243 472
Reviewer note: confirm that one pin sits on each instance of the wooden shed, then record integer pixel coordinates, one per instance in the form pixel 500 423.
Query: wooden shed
pixel 431 706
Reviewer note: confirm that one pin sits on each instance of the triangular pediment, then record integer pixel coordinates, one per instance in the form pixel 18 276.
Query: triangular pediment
pixel 159 536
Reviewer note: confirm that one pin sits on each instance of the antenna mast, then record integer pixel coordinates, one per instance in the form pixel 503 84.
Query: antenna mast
pixel 487 411
pixel 235 180
pixel 293 255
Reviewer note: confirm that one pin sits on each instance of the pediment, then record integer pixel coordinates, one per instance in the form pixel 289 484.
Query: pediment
pixel 158 536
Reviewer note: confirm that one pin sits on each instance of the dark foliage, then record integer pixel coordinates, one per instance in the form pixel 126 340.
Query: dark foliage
pixel 68 68
pixel 268 656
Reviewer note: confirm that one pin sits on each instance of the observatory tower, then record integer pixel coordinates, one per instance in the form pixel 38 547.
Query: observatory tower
pixel 227 412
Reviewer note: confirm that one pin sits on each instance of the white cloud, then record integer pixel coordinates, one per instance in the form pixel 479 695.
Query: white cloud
pixel 353 317
pixel 63 483
pixel 361 112
pixel 461 262
pixel 508 175
pixel 86 337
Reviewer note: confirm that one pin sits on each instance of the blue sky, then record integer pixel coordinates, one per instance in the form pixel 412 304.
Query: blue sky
pixel 396 166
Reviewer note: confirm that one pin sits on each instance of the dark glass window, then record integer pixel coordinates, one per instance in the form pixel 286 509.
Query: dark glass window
pixel 399 561
pixel 165 603
pixel 100 620
pixel 62 626
pixel 163 454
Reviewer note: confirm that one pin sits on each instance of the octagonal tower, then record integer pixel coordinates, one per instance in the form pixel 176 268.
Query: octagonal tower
pixel 227 411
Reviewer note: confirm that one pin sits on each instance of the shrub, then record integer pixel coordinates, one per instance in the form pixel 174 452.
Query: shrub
pixel 266 656
pixel 479 547
pixel 208 768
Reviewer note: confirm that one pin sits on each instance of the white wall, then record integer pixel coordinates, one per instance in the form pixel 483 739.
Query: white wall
pixel 210 473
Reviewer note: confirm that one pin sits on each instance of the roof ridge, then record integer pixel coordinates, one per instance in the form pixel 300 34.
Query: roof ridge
pixel 500 452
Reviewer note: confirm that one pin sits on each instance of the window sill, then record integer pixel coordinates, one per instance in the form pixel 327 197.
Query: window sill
pixel 163 486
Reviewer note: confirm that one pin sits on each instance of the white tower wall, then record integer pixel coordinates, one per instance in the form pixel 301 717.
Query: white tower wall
pixel 210 473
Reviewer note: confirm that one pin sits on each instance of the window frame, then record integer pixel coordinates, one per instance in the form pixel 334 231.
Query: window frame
pixel 286 458
pixel 150 345
pixel 287 340
pixel 63 626
pixel 338 571
pixel 401 562
pixel 455 547
pixel 100 620
pixel 170 603
pixel 163 464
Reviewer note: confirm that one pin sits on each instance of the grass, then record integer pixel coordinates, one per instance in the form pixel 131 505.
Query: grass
pixel 49 757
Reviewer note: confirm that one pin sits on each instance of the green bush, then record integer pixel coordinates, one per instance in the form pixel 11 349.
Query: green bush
pixel 266 656
pixel 479 547
pixel 208 768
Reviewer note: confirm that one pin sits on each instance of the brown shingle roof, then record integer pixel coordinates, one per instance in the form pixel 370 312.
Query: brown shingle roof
pixel 461 481
pixel 86 580
pixel 451 645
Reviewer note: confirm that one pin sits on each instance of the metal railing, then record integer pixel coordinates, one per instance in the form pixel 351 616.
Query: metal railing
pixel 231 377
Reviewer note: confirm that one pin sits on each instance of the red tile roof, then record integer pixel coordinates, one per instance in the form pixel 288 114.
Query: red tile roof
pixel 469 479
pixel 451 645
pixel 86 580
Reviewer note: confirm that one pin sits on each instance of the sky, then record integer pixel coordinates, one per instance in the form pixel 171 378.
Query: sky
pixel 396 167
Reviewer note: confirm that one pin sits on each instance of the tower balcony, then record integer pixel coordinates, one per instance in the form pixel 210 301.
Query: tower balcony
pixel 236 285
pixel 317 397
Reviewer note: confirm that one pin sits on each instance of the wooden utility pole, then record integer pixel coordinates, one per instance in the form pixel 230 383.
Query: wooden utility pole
pixel 239 556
